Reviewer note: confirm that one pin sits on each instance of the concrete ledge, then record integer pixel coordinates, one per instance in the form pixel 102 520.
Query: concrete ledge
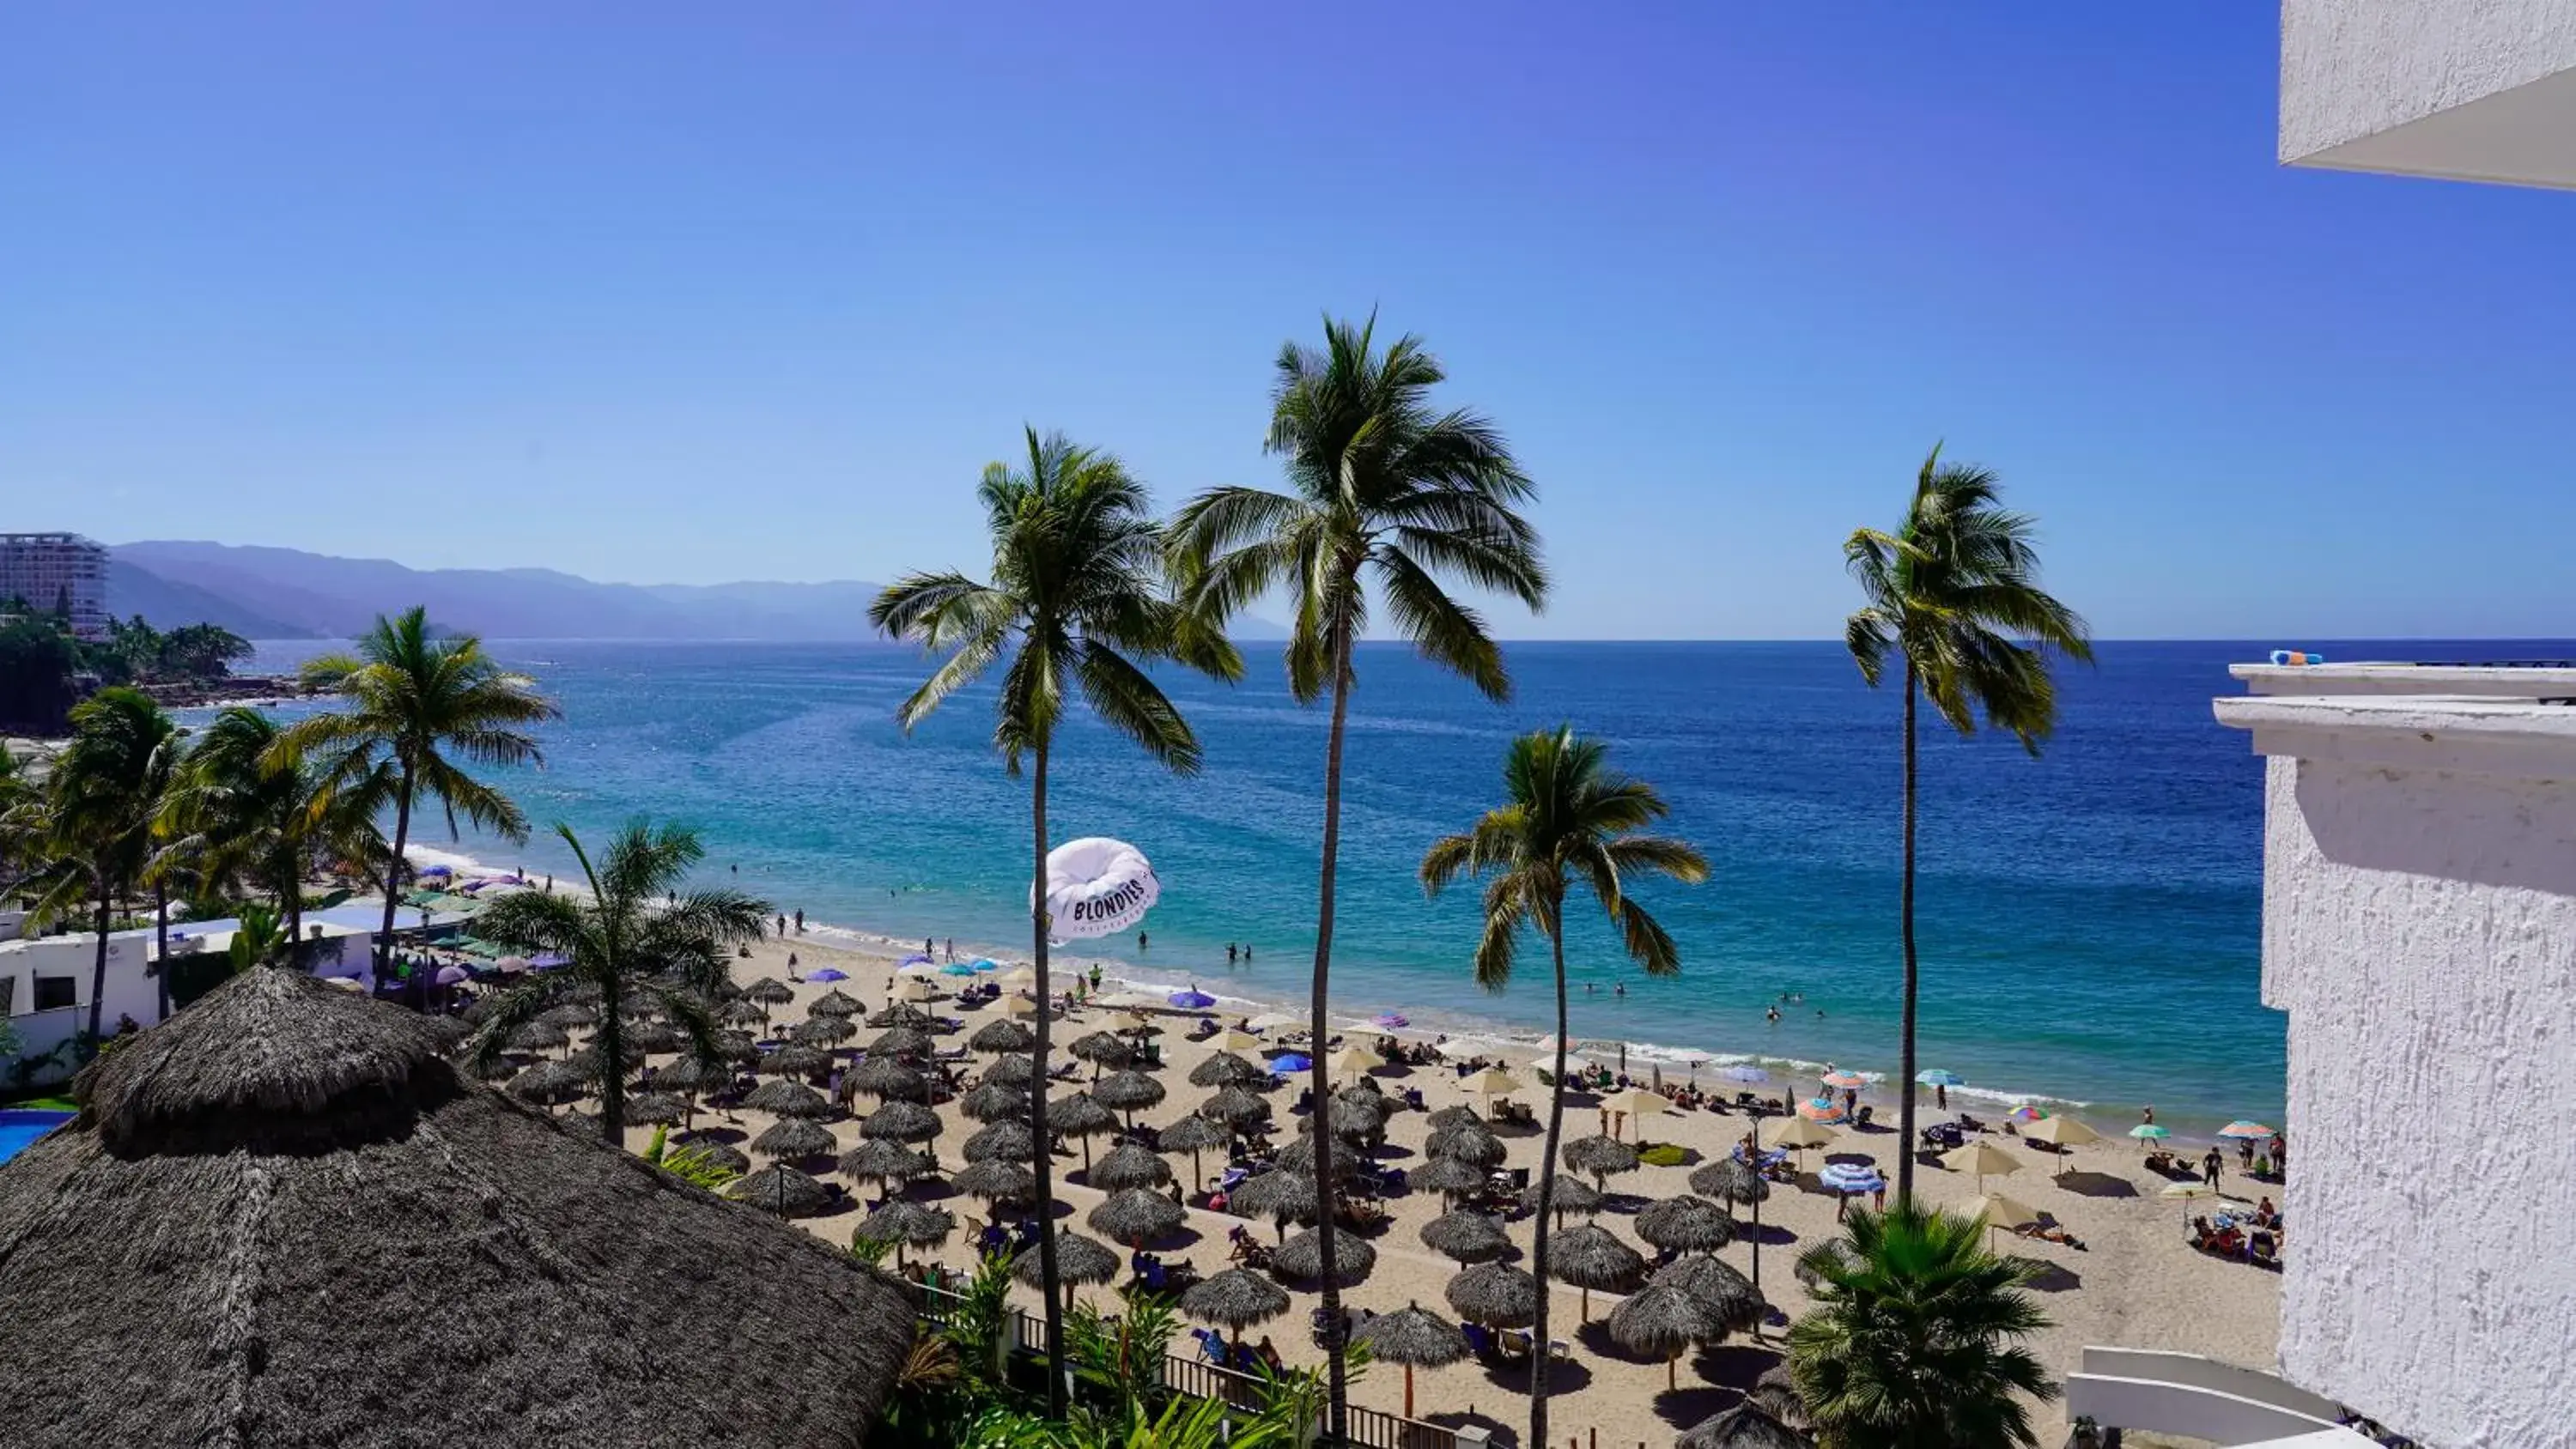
pixel 2467 681
pixel 2521 738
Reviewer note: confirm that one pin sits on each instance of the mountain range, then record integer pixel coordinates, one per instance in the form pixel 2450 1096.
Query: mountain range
pixel 285 593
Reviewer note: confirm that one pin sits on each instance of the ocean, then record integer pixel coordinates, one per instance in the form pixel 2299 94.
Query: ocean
pixel 2088 917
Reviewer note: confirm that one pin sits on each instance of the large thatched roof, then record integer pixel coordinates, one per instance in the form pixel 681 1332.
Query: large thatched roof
pixel 339 1242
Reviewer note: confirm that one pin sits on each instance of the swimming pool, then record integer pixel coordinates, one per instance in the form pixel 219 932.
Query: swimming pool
pixel 20 1126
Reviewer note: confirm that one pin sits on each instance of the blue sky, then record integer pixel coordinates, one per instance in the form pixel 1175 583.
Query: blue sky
pixel 662 292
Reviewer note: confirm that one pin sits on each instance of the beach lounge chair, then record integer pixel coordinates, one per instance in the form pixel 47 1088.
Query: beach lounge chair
pixel 1480 1340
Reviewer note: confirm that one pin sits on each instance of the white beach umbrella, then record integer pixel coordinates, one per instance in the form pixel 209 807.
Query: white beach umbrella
pixel 915 989
pixel 1637 1102
pixel 1097 886
pixel 1459 1049
pixel 1129 1001
pixel 922 968
pixel 1273 1020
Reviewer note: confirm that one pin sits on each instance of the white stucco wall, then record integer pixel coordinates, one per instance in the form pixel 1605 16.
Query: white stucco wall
pixel 2353 68
pixel 2419 928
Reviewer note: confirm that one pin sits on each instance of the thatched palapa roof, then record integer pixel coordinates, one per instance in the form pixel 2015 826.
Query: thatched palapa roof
pixel 342 1243
pixel 1077 1260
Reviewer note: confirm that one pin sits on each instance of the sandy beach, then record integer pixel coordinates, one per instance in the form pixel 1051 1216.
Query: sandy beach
pixel 2135 1282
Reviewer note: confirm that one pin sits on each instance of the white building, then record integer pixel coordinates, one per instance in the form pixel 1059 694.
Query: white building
pixel 2419 894
pixel 51 569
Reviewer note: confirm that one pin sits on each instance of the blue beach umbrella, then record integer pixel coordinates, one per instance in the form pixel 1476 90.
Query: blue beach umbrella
pixel 984 963
pixel 1747 1075
pixel 1191 1000
pixel 1292 1062
pixel 956 968
pixel 1851 1177
pixel 1940 1077
pixel 828 973
pixel 915 959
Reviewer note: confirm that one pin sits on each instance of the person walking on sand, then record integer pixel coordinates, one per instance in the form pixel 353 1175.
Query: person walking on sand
pixel 2148 1116
pixel 1941 1096
pixel 1095 976
pixel 800 921
pixel 2209 1166
pixel 782 924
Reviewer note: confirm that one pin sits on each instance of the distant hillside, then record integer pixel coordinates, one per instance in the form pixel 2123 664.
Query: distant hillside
pixel 169 604
pixel 291 593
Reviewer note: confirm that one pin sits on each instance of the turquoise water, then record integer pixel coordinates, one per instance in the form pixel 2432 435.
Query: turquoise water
pixel 2088 918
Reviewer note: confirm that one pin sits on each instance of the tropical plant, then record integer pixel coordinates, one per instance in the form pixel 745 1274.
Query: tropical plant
pixel 1913 1340
pixel 251 809
pixel 101 802
pixel 1383 489
pixel 257 941
pixel 1073 607
pixel 1568 821
pixel 693 1165
pixel 1955 593
pixel 636 936
pixel 1121 1355
pixel 416 705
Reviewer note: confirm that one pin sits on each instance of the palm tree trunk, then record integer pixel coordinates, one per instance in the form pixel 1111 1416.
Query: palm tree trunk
pixel 611 1044
pixel 1547 1200
pixel 1905 909
pixel 1050 1291
pixel 98 971
pixel 161 944
pixel 1337 1381
pixel 393 876
pixel 290 901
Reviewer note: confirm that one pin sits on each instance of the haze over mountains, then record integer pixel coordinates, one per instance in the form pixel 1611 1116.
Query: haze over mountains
pixel 285 593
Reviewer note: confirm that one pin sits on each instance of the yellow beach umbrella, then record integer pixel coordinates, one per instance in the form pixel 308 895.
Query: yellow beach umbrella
pixel 1238 1041
pixel 1355 1061
pixel 1797 1134
pixel 1021 976
pixel 915 989
pixel 2184 1192
pixel 2061 1133
pixel 1983 1159
pixel 1021 1006
pixel 2000 1211
pixel 1637 1102
pixel 1493 1082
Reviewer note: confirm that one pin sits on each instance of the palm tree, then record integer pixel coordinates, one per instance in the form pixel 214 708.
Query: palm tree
pixel 1568 820
pixel 251 809
pixel 1910 1343
pixel 419 703
pixel 1073 604
pixel 101 802
pixel 1381 488
pixel 1951 591
pixel 636 936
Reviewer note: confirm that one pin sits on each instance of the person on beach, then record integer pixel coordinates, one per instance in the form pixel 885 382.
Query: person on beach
pixel 2245 1154
pixel 1619 989
pixel 2148 1116
pixel 1095 976
pixel 1140 940
pixel 952 948
pixel 800 922
pixel 1851 1101
pixel 1940 1097
pixel 2280 1155
pixel 2209 1166
pixel 1772 1012
pixel 782 924
pixel 1229 953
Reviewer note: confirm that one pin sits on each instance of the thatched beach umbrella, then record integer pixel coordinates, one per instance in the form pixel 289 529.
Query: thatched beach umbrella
pixel 243 1138
pixel 1194 1135
pixel 1685 1225
pixel 1102 1049
pixel 1447 1174
pixel 654 1036
pixel 1496 1295
pixel 1127 1092
pixel 1727 1293
pixel 906 1223
pixel 1235 1299
pixel 1279 1195
pixel 770 991
pixel 835 1003
pixel 550 1084
pixel 1448 1117
pixel 886 1077
pixel 901 1013
pixel 539 1036
pixel 570 1014
pixel 1590 1257
pixel 1472 1143
pixel 997 1181
pixel 1075 1114
pixel 498 1069
pixel 1467 1237
pixel 1225 1069
pixel 1566 1195
pixel 782 1190
pixel 1236 1108
pixel 690 1076
pixel 1078 1260
pixel 587 1060
pixel 1136 1217
pixel 780 1097
pixel 741 1012
pixel 1355 1123
pixel 1662 1320
pixel 1007 1140
pixel 881 1161
pixel 1746 1426
pixel 798 1061
pixel 656 1109
pixel 995 1102
pixel 736 1047
pixel 795 1137
pixel 901 1041
pixel 900 1122
pixel 1731 1181
pixel 1414 1338
pixel 1599 1156
pixel 1016 1070
pixel 994 1038
pixel 823 1031
pixel 1302 1258
pixel 1128 1165
pixel 723 1154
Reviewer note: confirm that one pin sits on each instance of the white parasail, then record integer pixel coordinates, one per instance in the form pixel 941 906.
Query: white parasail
pixel 1097 886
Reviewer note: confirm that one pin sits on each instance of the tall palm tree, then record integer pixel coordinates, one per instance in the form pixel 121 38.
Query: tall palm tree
pixel 251 809
pixel 637 936
pixel 425 706
pixel 1911 1343
pixel 1383 489
pixel 1073 605
pixel 1955 593
pixel 102 800
pixel 1567 821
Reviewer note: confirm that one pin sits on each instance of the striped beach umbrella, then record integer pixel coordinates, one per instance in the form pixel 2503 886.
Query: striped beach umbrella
pixel 1844 1077
pixel 2240 1128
